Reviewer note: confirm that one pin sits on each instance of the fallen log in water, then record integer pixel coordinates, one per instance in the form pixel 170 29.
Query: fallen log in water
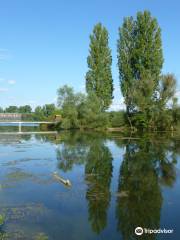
pixel 60 179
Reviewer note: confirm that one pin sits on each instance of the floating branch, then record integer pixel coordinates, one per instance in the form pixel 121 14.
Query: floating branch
pixel 64 181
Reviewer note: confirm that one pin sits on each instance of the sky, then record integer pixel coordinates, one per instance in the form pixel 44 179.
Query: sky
pixel 44 44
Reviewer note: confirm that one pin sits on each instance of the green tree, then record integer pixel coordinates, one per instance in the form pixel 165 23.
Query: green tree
pixel 167 88
pixel 81 111
pixel 25 109
pixel 99 77
pixel 90 114
pixel 38 113
pixel 69 102
pixel 162 116
pixel 125 50
pixel 140 61
pixel 175 111
pixel 12 109
pixel 117 119
pixel 48 109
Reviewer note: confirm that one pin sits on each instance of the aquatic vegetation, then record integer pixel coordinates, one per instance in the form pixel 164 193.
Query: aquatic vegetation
pixel 2 219
pixel 41 236
pixel 19 161
pixel 25 211
pixel 12 235
pixel 19 175
pixel 11 179
pixel 3 236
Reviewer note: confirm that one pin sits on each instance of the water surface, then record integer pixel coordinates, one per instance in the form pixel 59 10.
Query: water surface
pixel 117 185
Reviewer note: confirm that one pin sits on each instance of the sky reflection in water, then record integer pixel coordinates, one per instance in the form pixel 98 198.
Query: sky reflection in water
pixel 117 185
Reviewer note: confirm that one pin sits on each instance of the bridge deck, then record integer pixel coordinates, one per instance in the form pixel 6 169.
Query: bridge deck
pixel 21 122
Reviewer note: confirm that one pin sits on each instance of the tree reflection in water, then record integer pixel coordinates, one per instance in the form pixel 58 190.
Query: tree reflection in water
pixel 145 166
pixel 148 163
pixel 98 172
pixel 72 151
pixel 90 149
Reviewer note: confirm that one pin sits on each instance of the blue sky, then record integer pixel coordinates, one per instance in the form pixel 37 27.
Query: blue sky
pixel 44 44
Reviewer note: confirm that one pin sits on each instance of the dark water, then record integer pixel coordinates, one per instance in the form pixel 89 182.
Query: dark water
pixel 117 185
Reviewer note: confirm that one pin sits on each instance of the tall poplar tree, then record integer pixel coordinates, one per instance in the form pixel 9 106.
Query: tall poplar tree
pixel 140 61
pixel 99 77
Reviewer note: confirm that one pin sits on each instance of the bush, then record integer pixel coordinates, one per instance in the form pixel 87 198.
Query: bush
pixel 117 119
pixel 81 111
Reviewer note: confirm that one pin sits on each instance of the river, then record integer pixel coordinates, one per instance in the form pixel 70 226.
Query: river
pixel 117 184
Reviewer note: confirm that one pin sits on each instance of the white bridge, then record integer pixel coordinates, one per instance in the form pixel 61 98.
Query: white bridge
pixel 15 119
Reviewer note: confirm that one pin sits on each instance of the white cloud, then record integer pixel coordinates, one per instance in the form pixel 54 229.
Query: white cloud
pixel 3 89
pixel 117 105
pixel 12 82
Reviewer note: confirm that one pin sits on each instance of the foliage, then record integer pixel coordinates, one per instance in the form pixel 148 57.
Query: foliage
pixel 69 102
pixel 38 113
pixel 139 53
pixel 162 116
pixel 25 109
pixel 167 87
pixel 125 49
pixel 147 93
pixel 91 114
pixel 48 109
pixel 79 110
pixel 99 78
pixel 175 111
pixel 45 112
pixel 11 109
pixel 117 119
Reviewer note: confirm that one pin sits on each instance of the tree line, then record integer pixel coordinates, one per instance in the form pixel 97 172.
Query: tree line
pixel 44 112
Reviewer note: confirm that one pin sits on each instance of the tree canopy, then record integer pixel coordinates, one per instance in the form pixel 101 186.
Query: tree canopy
pixel 140 59
pixel 99 77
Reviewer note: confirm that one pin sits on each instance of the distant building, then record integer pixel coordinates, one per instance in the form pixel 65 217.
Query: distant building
pixel 10 117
